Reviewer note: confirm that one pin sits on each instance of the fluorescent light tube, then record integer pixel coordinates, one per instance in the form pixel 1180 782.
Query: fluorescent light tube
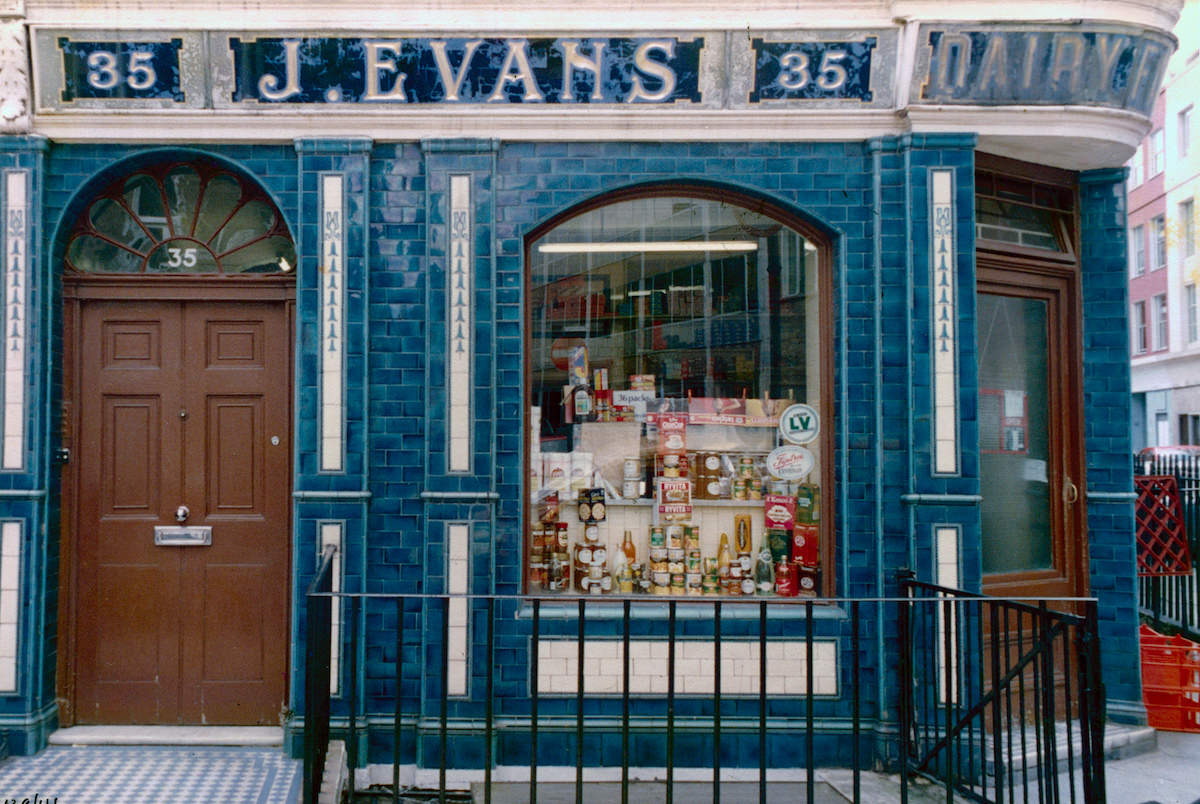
pixel 648 245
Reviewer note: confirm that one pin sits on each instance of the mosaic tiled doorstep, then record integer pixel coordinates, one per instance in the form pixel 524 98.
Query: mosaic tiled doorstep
pixel 152 775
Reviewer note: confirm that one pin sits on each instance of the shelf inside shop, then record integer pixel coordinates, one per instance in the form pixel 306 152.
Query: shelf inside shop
pixel 648 502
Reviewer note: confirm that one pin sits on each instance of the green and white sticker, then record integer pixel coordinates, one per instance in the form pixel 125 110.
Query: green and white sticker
pixel 799 424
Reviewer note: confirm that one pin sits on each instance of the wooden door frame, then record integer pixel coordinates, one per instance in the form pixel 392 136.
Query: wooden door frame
pixel 1025 277
pixel 76 291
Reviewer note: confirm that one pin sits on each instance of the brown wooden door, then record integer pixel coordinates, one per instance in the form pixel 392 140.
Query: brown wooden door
pixel 1030 461
pixel 181 403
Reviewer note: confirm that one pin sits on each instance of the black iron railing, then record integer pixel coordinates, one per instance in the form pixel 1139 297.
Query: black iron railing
pixel 1174 600
pixel 1003 698
pixel 966 738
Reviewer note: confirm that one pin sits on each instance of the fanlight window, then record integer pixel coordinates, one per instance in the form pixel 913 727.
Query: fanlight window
pixel 191 218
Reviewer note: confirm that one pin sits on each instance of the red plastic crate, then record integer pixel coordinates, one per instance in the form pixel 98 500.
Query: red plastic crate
pixel 1170 680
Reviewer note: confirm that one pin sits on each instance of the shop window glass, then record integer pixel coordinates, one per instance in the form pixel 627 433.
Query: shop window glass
pixel 181 218
pixel 667 335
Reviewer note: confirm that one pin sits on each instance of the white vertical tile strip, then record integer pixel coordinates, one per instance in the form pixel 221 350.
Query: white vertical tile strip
pixel 603 668
pixel 10 584
pixel 946 538
pixel 944 297
pixel 16 314
pixel 332 275
pixel 457 574
pixel 331 534
pixel 459 282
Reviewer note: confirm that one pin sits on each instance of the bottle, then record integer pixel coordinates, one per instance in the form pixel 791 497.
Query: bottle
pixel 724 558
pixel 764 570
pixel 629 549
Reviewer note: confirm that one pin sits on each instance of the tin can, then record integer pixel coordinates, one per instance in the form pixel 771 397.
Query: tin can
pixel 633 468
pixel 658 554
pixel 738 490
pixel 631 489
pixel 661 578
pixel 606 583
pixel 745 466
pixel 710 463
pixel 747 586
pixel 596 588
pixel 595 571
pixel 674 537
pixel 676 554
pixel 658 536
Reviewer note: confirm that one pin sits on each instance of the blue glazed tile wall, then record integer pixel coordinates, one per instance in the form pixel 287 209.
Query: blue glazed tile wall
pixel 871 199
pixel 1106 401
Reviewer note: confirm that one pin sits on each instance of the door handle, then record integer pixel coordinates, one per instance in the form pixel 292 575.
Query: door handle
pixel 1070 491
pixel 181 514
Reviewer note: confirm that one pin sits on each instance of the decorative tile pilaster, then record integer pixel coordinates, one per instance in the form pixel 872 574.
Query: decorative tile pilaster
pixel 16 316
pixel 943 290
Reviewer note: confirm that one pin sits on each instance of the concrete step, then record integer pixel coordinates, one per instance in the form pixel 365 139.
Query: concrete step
pixel 168 735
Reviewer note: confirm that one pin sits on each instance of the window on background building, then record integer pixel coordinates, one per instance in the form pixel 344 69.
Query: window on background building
pixel 1137 167
pixel 1187 225
pixel 666 335
pixel 1185 131
pixel 1140 343
pixel 1193 324
pixel 1158 153
pixel 1160 321
pixel 1137 251
pixel 1158 253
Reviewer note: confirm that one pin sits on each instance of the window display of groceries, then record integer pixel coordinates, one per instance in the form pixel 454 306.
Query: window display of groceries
pixel 774 553
pixel 639 493
pixel 668 559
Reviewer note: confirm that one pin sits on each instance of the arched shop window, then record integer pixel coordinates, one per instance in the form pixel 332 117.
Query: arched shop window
pixel 181 218
pixel 667 335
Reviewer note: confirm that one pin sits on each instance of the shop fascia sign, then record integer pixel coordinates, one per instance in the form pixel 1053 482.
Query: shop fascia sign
pixel 978 64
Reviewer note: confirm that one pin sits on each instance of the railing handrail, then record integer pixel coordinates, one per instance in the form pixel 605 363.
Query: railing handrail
pixel 324 574
pixel 647 600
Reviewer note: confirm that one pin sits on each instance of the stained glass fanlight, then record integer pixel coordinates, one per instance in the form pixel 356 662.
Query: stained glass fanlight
pixel 181 218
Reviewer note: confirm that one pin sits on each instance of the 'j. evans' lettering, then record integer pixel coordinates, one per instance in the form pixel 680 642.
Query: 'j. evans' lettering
pixel 399 71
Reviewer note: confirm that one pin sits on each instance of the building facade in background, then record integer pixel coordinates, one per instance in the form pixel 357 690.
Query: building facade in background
pixel 1164 182
pixel 416 282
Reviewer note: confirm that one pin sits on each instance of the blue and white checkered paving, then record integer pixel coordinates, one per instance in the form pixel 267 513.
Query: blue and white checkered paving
pixel 99 774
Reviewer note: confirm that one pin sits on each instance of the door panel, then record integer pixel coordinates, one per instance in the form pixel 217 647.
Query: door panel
pixel 1029 438
pixel 182 403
